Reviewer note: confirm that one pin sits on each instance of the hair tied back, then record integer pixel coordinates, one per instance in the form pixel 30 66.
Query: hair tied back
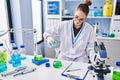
pixel 88 2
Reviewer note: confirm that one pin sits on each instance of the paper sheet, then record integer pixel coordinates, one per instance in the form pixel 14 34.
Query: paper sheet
pixel 76 70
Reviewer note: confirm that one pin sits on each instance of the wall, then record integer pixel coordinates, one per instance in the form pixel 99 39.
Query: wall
pixel 113 50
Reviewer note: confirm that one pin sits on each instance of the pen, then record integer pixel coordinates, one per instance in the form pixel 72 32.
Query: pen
pixel 73 70
pixel 25 72
pixel 72 76
pixel 29 71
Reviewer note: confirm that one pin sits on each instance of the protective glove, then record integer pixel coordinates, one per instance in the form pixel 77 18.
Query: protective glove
pixel 51 42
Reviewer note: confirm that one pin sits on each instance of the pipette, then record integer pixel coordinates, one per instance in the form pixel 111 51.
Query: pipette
pixel 25 72
pixel 14 71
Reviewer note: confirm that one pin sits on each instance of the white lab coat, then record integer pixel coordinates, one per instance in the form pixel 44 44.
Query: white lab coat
pixel 83 43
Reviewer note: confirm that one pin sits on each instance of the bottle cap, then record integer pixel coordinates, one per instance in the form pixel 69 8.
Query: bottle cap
pixel 1 44
pixel 118 63
pixel 47 65
pixel 15 47
pixel 22 46
pixel 95 7
pixel 12 41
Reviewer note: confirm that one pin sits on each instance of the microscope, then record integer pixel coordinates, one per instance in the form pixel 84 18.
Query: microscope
pixel 98 65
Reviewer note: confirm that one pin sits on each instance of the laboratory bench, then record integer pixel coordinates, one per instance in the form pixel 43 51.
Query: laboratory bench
pixel 43 72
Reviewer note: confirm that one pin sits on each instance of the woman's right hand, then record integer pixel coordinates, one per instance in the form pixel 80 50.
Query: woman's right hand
pixel 51 42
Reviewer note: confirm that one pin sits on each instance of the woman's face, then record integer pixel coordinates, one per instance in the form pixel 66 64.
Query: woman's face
pixel 79 18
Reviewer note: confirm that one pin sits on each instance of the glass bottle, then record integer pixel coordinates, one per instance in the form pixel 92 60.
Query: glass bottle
pixel 12 44
pixel 22 52
pixel 15 57
pixel 3 55
pixel 116 71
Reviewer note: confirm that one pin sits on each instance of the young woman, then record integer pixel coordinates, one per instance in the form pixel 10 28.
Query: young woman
pixel 77 37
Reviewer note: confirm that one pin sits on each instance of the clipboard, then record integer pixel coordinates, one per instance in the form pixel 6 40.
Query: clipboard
pixel 76 71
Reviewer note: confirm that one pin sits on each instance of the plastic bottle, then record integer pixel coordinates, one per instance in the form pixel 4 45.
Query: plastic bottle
pixel 100 11
pixel 107 9
pixel 3 58
pixel 116 71
pixel 90 12
pixel 95 11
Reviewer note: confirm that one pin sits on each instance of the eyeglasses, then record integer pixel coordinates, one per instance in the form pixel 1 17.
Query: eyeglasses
pixel 76 18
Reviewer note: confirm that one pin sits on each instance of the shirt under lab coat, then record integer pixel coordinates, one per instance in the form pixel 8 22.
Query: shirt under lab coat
pixel 74 48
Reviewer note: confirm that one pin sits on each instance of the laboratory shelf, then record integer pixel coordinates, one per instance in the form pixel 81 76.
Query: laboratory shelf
pixel 67 16
pixel 108 38
pixel 87 17
pixel 73 0
pixel 98 17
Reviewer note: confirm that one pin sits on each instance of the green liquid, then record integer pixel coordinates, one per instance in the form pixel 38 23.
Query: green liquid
pixel 3 57
pixel 38 57
pixel 57 64
pixel 116 75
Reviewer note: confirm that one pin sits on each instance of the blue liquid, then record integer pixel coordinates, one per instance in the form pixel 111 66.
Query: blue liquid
pixel 95 13
pixel 15 60
pixel 53 44
pixel 3 68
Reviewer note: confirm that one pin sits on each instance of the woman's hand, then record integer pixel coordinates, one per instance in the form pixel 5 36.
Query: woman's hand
pixel 51 42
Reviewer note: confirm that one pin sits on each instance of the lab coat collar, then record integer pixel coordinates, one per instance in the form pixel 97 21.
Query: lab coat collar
pixel 77 37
